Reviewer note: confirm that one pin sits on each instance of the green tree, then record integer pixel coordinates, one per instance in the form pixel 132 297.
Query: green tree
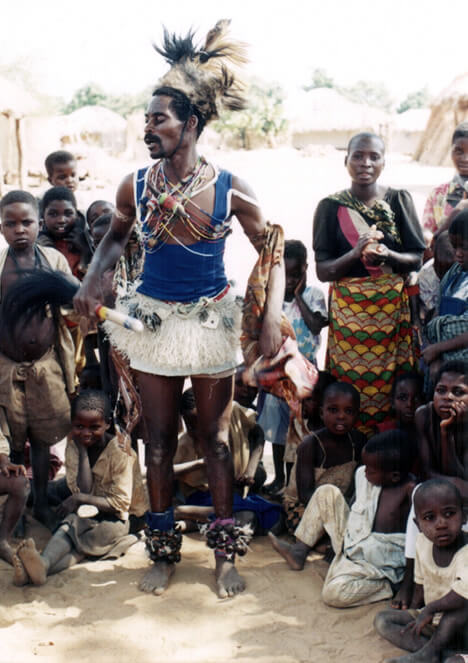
pixel 263 117
pixel 320 78
pixel 88 95
pixel 372 93
pixel 419 99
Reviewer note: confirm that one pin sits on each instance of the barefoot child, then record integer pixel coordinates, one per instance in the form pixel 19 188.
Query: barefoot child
pixel 368 539
pixel 37 372
pixel 441 432
pixel 14 484
pixel 440 628
pixel 305 308
pixel 330 454
pixel 101 474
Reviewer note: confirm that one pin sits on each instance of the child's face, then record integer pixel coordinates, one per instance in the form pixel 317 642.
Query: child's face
pixel 440 518
pixel 365 161
pixel 338 413
pixel 406 401
pixel 65 174
pixel 375 473
pixel 20 225
pixel 98 233
pixel 244 394
pixel 460 156
pixel 450 388
pixel 460 246
pixel 59 217
pixel 97 210
pixel 295 270
pixel 89 427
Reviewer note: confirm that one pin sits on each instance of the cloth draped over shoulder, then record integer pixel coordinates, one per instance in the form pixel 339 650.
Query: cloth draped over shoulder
pixel 370 337
pixel 281 382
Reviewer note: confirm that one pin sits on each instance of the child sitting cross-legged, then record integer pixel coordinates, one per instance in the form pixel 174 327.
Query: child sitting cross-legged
pixel 101 475
pixel 368 539
pixel 438 631
pixel 328 455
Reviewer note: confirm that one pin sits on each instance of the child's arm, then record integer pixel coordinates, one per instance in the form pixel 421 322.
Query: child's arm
pixel 314 320
pixel 85 485
pixel 436 349
pixel 448 603
pixel 451 464
pixel 305 469
pixel 256 444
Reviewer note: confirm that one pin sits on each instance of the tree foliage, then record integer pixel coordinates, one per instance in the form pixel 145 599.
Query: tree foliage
pixel 263 118
pixel 371 93
pixel 93 95
pixel 419 99
pixel 320 78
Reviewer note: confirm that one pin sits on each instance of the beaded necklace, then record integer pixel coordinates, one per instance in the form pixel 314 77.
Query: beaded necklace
pixel 166 205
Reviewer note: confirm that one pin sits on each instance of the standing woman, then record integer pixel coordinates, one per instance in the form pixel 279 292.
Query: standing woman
pixel 366 239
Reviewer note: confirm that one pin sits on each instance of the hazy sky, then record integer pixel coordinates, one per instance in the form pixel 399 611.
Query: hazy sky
pixel 407 44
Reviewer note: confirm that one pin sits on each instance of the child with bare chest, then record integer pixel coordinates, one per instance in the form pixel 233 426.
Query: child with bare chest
pixel 36 353
pixel 368 539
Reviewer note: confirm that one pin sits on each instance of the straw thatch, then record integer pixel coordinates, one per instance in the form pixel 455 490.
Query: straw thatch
pixel 407 130
pixel 96 126
pixel 449 109
pixel 324 116
pixel 15 101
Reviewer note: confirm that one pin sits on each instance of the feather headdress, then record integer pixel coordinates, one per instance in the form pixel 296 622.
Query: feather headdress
pixel 205 75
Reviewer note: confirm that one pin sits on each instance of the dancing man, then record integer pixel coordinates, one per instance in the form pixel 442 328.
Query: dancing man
pixel 182 208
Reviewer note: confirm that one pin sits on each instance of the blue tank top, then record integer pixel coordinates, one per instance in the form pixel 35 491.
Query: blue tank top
pixel 178 273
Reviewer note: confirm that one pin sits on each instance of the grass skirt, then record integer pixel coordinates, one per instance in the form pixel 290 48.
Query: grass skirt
pixel 195 338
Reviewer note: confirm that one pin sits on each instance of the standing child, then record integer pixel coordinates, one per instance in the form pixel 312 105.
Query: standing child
pixel 439 630
pixel 447 200
pixel 328 455
pixel 37 372
pixel 306 309
pixel 368 539
pixel 61 170
pixel 100 474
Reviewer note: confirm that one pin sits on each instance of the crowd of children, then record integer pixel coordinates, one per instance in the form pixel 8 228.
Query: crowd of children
pixel 386 507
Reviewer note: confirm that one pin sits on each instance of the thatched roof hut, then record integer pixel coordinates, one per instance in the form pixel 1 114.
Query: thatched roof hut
pixel 15 103
pixel 407 130
pixel 325 117
pixel 449 109
pixel 96 126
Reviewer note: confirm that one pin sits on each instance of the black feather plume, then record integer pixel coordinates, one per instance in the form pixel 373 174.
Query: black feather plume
pixel 32 293
pixel 175 48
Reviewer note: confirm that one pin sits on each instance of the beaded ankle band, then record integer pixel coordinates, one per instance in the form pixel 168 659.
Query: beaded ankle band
pixel 163 539
pixel 226 538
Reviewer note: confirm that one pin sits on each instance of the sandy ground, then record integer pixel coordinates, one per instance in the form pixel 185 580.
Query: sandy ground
pixel 94 612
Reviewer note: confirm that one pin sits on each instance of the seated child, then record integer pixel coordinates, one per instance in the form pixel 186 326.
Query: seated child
pixel 447 200
pixel 368 539
pixel 37 371
pixel 306 309
pixel 59 214
pixel 441 433
pixel 328 455
pixel 97 209
pixel 430 276
pixel 14 484
pixel 447 333
pixel 407 396
pixel 100 473
pixel 439 628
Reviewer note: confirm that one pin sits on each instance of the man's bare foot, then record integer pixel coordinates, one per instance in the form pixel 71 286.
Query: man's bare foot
pixel 20 577
pixel 46 516
pixel 294 558
pixel 6 552
pixel 156 579
pixel 32 561
pixel 228 581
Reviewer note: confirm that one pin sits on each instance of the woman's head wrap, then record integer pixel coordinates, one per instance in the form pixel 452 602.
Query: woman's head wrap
pixel 205 74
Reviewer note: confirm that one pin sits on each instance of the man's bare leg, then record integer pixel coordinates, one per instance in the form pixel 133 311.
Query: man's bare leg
pixel 160 399
pixel 213 397
pixel 17 489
